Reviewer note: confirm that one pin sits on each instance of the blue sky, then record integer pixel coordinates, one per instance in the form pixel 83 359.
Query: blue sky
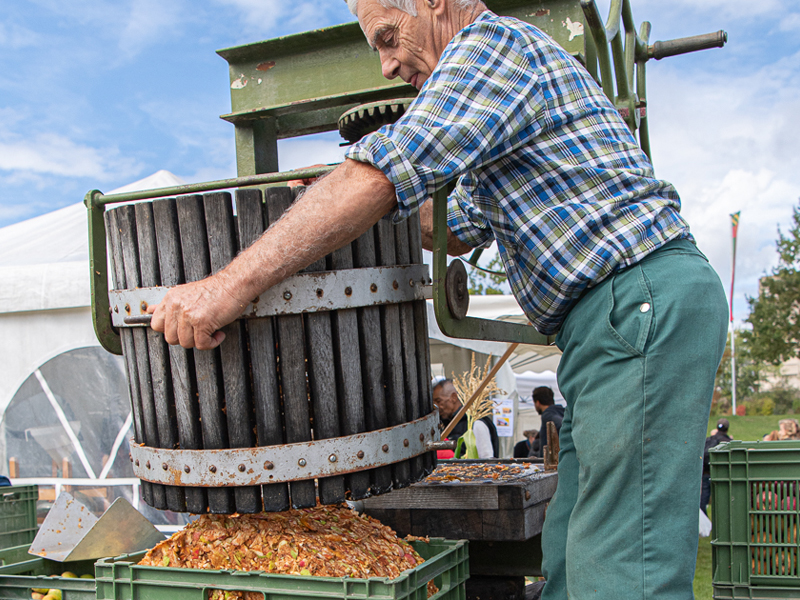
pixel 99 93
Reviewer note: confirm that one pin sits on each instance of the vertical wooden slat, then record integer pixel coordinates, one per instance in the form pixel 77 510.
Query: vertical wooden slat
pixel 130 253
pixel 196 266
pixel 392 351
pixel 126 335
pixel 371 343
pixel 347 360
pixel 234 357
pixel 322 384
pixel 409 341
pixel 291 351
pixel 157 347
pixel 421 333
pixel 266 393
pixel 184 388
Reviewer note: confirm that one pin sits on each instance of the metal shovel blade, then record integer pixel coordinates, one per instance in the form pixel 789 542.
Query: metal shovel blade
pixel 71 532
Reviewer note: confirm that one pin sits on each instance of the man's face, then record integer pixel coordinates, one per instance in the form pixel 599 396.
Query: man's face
pixel 446 400
pixel 407 45
pixel 538 406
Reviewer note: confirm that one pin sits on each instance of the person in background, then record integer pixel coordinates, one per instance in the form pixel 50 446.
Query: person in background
pixel 523 448
pixel 446 399
pixel 788 429
pixel 545 405
pixel 717 437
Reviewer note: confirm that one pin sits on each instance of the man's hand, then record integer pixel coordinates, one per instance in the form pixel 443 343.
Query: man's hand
pixel 455 247
pixel 193 314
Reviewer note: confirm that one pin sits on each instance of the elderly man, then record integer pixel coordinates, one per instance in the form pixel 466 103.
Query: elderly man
pixel 445 397
pixel 594 247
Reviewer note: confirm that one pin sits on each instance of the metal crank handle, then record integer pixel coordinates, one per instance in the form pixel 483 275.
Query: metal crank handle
pixel 138 320
pixel 442 445
pixel 685 45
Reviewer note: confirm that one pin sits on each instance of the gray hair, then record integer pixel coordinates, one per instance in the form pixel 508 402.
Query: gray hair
pixel 408 6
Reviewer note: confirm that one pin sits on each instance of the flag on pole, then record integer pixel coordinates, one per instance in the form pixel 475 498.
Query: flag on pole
pixel 735 230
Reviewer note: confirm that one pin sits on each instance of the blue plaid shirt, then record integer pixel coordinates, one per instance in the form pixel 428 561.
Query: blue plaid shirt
pixel 543 163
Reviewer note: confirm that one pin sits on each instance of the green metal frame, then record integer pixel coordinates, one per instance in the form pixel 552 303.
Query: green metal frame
pixel 301 84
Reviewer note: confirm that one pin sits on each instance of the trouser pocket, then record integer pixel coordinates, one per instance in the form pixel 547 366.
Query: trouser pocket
pixel 631 311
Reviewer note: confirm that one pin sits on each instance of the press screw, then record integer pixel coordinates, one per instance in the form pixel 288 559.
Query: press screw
pixel 421 437
pixel 411 282
pixel 186 468
pixel 320 293
pixel 373 288
pixel 116 309
pixel 164 466
pixel 433 431
pixel 360 454
pixel 256 299
pixel 148 464
pixel 241 468
pixel 395 285
pixel 405 443
pixel 269 466
pixel 212 468
pixel 348 291
pixel 137 462
pixel 332 458
pixel 144 306
pixel 287 295
pixel 128 308
pixel 302 462
pixel 385 447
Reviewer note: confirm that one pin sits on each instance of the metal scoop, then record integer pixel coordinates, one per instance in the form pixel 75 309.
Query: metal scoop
pixel 71 532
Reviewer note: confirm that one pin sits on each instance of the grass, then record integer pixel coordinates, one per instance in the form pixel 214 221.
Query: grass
pixel 746 429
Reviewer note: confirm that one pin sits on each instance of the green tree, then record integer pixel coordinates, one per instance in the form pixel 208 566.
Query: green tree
pixel 491 279
pixel 775 313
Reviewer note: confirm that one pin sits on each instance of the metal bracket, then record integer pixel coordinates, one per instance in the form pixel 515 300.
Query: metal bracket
pixel 468 327
pixel 288 462
pixel 300 293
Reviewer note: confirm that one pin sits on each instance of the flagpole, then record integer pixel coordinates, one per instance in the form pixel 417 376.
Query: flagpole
pixel 735 230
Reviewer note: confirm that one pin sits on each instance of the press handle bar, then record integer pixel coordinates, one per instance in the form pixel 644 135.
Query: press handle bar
pixel 685 45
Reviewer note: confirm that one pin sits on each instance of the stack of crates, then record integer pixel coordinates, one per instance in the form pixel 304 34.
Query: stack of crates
pixel 755 513
pixel 18 515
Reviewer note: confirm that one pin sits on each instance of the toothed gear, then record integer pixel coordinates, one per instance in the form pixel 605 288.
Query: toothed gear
pixel 361 120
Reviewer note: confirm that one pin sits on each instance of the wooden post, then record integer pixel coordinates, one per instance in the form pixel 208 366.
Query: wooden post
pixel 552 448
pixel 13 468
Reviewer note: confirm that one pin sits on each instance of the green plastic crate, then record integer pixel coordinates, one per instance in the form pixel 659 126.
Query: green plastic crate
pixel 755 500
pixel 20 572
pixel 446 562
pixel 18 515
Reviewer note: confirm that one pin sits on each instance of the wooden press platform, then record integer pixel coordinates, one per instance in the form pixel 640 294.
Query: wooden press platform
pixel 502 519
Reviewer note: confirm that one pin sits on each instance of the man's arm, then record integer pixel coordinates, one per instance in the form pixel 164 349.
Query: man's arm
pixel 455 247
pixel 332 213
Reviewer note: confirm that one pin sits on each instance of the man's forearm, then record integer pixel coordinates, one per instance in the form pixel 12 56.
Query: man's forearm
pixel 455 247
pixel 332 213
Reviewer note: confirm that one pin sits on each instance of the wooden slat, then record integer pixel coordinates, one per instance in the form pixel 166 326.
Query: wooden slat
pixel 184 387
pixel 472 497
pixel 266 394
pixel 234 358
pixel 130 253
pixel 160 378
pixel 126 335
pixel 291 351
pixel 196 266
pixel 392 351
pixel 349 385
pixel 423 351
pixel 369 339
pixel 409 344
pixel 322 383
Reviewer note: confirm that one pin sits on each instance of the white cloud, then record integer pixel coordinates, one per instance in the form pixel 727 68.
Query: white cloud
pixel 260 17
pixel 54 154
pixel 14 36
pixel 790 22
pixel 148 21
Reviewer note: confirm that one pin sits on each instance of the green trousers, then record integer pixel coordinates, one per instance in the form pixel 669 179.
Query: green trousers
pixel 641 351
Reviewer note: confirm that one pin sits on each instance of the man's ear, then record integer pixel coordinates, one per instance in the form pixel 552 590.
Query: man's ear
pixel 435 6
